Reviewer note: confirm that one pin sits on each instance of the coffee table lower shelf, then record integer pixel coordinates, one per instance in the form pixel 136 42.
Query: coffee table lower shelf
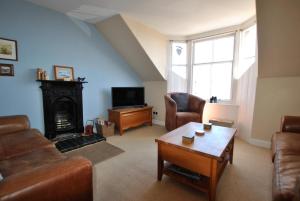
pixel 202 185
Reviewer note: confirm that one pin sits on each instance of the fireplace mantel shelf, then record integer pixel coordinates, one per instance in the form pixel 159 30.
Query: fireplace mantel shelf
pixel 61 81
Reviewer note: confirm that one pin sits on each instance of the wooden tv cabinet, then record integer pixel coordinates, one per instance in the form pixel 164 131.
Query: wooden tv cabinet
pixel 130 117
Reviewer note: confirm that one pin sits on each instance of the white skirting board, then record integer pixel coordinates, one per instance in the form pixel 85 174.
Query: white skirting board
pixel 157 122
pixel 260 143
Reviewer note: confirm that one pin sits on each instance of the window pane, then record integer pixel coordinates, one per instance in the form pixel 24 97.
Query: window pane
pixel 249 42
pixel 201 81
pixel 178 79
pixel 221 80
pixel 203 52
pixel 179 56
pixel 247 51
pixel 223 49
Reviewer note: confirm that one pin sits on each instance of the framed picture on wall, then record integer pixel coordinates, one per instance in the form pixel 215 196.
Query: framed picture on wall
pixel 65 73
pixel 7 70
pixel 8 49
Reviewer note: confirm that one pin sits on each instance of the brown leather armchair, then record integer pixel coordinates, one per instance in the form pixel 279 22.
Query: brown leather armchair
pixel 182 108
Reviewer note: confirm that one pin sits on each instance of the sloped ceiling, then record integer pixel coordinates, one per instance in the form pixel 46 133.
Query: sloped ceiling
pixel 154 44
pixel 170 17
pixel 137 44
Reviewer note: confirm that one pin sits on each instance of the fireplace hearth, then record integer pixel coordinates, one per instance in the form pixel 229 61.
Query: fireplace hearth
pixel 62 103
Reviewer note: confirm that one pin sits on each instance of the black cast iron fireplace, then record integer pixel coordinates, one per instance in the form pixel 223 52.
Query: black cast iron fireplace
pixel 62 103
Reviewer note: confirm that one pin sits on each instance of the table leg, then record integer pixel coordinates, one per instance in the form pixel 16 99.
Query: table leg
pixel 160 167
pixel 213 181
pixel 231 152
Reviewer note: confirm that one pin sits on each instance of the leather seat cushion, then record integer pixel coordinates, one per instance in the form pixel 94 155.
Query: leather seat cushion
pixel 291 124
pixel 11 124
pixel 286 172
pixel 183 118
pixel 18 143
pixel 288 142
pixel 29 161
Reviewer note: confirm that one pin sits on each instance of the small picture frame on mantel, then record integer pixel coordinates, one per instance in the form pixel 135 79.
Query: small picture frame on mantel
pixel 64 73
pixel 7 70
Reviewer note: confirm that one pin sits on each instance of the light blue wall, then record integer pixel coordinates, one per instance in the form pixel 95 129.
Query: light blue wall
pixel 46 37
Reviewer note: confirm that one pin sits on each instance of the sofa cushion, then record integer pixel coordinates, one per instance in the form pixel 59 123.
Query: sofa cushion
pixel 10 124
pixel 182 100
pixel 183 118
pixel 291 124
pixel 288 142
pixel 65 180
pixel 286 171
pixel 21 142
pixel 29 161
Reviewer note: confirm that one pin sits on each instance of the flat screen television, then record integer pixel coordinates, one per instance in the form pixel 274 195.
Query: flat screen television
pixel 127 97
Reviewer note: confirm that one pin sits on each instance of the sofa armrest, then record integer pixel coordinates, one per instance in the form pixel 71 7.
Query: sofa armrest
pixel 171 109
pixel 10 124
pixel 290 124
pixel 196 104
pixel 273 146
pixel 66 180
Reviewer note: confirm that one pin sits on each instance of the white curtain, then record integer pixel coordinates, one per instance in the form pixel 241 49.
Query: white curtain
pixel 246 87
pixel 245 99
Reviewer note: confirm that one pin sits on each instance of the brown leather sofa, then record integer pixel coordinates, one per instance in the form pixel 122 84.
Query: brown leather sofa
pixel 182 108
pixel 286 159
pixel 32 169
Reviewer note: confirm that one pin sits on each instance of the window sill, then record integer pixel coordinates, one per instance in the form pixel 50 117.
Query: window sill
pixel 223 104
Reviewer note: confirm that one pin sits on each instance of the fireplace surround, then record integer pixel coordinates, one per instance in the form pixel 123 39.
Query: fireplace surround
pixel 62 104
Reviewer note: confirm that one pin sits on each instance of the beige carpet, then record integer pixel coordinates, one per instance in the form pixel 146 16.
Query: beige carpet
pixel 97 152
pixel 131 176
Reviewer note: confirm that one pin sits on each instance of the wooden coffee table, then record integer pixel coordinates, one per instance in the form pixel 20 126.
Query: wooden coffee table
pixel 208 155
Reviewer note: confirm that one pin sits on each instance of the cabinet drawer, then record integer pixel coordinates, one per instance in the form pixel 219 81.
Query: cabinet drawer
pixel 135 118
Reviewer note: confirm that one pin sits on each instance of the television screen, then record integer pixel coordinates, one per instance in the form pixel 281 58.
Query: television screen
pixel 127 96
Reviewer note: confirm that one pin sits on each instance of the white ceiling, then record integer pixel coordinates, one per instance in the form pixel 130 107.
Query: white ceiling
pixel 170 17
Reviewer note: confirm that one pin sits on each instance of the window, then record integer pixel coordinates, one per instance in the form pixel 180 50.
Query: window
pixel 212 67
pixel 178 77
pixel 247 54
pixel 205 67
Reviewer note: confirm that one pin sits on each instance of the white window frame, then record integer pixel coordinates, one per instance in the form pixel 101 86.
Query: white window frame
pixel 240 47
pixel 231 100
pixel 236 31
pixel 183 65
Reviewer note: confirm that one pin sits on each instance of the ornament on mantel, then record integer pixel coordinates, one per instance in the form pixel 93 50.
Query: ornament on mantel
pixel 41 74
pixel 81 79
